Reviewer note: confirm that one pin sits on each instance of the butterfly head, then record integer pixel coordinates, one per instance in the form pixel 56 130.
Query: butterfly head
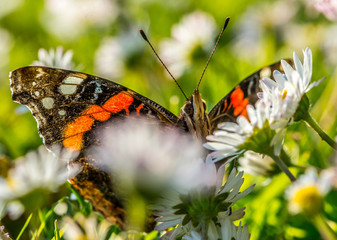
pixel 194 115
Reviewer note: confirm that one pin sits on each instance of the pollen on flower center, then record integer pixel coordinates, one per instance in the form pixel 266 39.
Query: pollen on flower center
pixel 284 94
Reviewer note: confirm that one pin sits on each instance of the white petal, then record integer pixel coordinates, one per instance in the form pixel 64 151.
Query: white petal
pixel 280 79
pixel 229 126
pixel 166 225
pixel 215 146
pixel 245 124
pixel 288 70
pixel 298 64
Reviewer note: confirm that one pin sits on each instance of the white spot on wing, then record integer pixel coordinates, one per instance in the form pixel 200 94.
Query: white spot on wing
pixel 73 80
pixel 37 93
pixel 48 102
pixel 62 112
pixel 67 89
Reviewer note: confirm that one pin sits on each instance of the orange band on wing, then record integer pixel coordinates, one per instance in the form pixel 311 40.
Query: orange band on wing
pixel 139 108
pixel 97 113
pixel 75 130
pixel 118 102
pixel 239 103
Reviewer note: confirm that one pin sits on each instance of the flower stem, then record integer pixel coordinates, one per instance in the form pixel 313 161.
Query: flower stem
pixel 325 137
pixel 323 227
pixel 283 167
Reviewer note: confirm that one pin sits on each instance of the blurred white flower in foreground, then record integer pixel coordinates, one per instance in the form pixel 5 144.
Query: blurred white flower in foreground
pixel 82 227
pixel 56 58
pixel 327 7
pixel 36 171
pixel 194 34
pixel 67 19
pixel 140 152
pixel 306 195
pixel 202 210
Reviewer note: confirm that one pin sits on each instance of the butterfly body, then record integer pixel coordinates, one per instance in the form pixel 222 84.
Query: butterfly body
pixel 70 106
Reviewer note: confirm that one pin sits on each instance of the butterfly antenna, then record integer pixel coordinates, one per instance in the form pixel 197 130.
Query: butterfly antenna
pixel 216 44
pixel 142 33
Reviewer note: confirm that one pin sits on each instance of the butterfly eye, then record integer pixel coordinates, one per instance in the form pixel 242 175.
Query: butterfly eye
pixel 188 109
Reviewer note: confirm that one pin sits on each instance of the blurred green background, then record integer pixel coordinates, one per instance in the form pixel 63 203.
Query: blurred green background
pixel 104 38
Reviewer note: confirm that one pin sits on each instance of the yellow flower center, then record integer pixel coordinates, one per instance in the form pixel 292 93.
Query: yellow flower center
pixel 309 199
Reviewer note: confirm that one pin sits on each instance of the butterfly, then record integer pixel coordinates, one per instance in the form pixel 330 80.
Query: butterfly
pixel 70 106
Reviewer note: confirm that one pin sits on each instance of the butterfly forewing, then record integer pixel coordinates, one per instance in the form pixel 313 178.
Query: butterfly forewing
pixel 68 104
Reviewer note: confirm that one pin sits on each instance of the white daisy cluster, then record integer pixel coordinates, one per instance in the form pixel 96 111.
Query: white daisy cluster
pixel 277 107
pixel 40 170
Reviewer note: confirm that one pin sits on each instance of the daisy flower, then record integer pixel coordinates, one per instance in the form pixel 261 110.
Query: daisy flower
pixel 233 139
pixel 292 86
pixel 57 58
pixel 263 132
pixel 37 172
pixel 202 209
pixel 307 193
pixel 192 36
pixel 294 83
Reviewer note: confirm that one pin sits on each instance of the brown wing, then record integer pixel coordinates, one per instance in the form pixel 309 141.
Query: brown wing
pixel 235 102
pixel 68 107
